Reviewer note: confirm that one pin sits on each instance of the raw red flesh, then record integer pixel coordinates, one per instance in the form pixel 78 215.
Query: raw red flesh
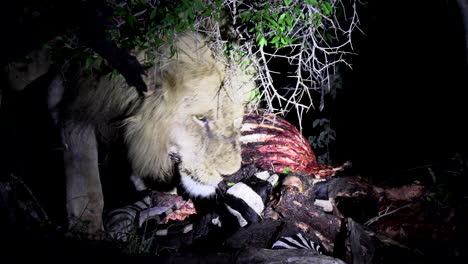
pixel 184 211
pixel 273 144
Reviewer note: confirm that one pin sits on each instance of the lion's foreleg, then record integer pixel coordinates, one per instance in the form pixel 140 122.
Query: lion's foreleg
pixel 83 186
pixel 55 93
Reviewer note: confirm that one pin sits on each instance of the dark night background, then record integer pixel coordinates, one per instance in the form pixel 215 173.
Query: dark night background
pixel 405 101
pixel 402 106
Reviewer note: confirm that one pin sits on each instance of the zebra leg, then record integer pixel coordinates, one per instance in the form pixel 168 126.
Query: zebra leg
pixel 121 222
pixel 83 187
pixel 297 241
pixel 145 217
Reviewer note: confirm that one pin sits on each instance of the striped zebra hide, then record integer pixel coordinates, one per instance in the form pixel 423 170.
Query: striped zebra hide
pixel 298 241
pixel 164 214
pixel 151 214
pixel 246 200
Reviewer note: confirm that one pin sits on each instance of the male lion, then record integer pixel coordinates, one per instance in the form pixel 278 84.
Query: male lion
pixel 191 117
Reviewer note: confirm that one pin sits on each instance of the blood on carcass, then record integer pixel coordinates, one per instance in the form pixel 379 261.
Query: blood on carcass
pixel 271 143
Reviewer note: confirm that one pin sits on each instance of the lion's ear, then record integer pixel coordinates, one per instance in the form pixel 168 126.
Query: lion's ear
pixel 167 77
pixel 156 78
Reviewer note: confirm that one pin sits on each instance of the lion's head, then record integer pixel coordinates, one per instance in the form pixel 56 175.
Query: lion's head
pixel 192 118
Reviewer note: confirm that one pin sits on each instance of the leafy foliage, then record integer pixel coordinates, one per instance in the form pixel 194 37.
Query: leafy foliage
pixel 446 181
pixel 145 25
pixel 325 136
pixel 308 36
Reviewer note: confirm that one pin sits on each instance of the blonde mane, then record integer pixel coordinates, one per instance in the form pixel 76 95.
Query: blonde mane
pixel 147 131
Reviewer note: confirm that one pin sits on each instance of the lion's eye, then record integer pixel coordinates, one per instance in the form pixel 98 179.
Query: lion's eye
pixel 201 119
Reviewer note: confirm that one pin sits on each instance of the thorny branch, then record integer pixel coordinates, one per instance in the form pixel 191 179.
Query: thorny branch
pixel 385 213
pixel 318 49
pixel 322 38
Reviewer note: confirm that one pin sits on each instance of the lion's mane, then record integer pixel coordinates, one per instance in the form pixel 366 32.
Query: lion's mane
pixel 171 84
pixel 190 116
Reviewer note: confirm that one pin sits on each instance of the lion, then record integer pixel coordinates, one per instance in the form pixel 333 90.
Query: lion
pixel 188 123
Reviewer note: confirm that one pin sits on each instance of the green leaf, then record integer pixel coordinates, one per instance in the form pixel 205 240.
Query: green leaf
pixel 216 17
pixel 259 27
pixel 274 15
pixel 258 36
pixel 275 39
pixel 275 25
pixel 281 18
pixel 316 19
pixel 120 11
pixel 327 8
pixel 289 40
pixel 262 42
pixel 433 176
pixel 181 27
pixel 312 2
pixel 98 62
pixel 288 2
pixel 283 41
pixel 198 5
pixel 255 16
pixel 244 64
pixel 287 170
pixel 88 62
pixel 245 16
pixel 254 95
pixel 207 13
pixel 324 121
pixel 131 21
pixel 297 10
pixel 315 123
pixel 190 14
pixel 153 13
pixel 288 20
pixel 241 53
